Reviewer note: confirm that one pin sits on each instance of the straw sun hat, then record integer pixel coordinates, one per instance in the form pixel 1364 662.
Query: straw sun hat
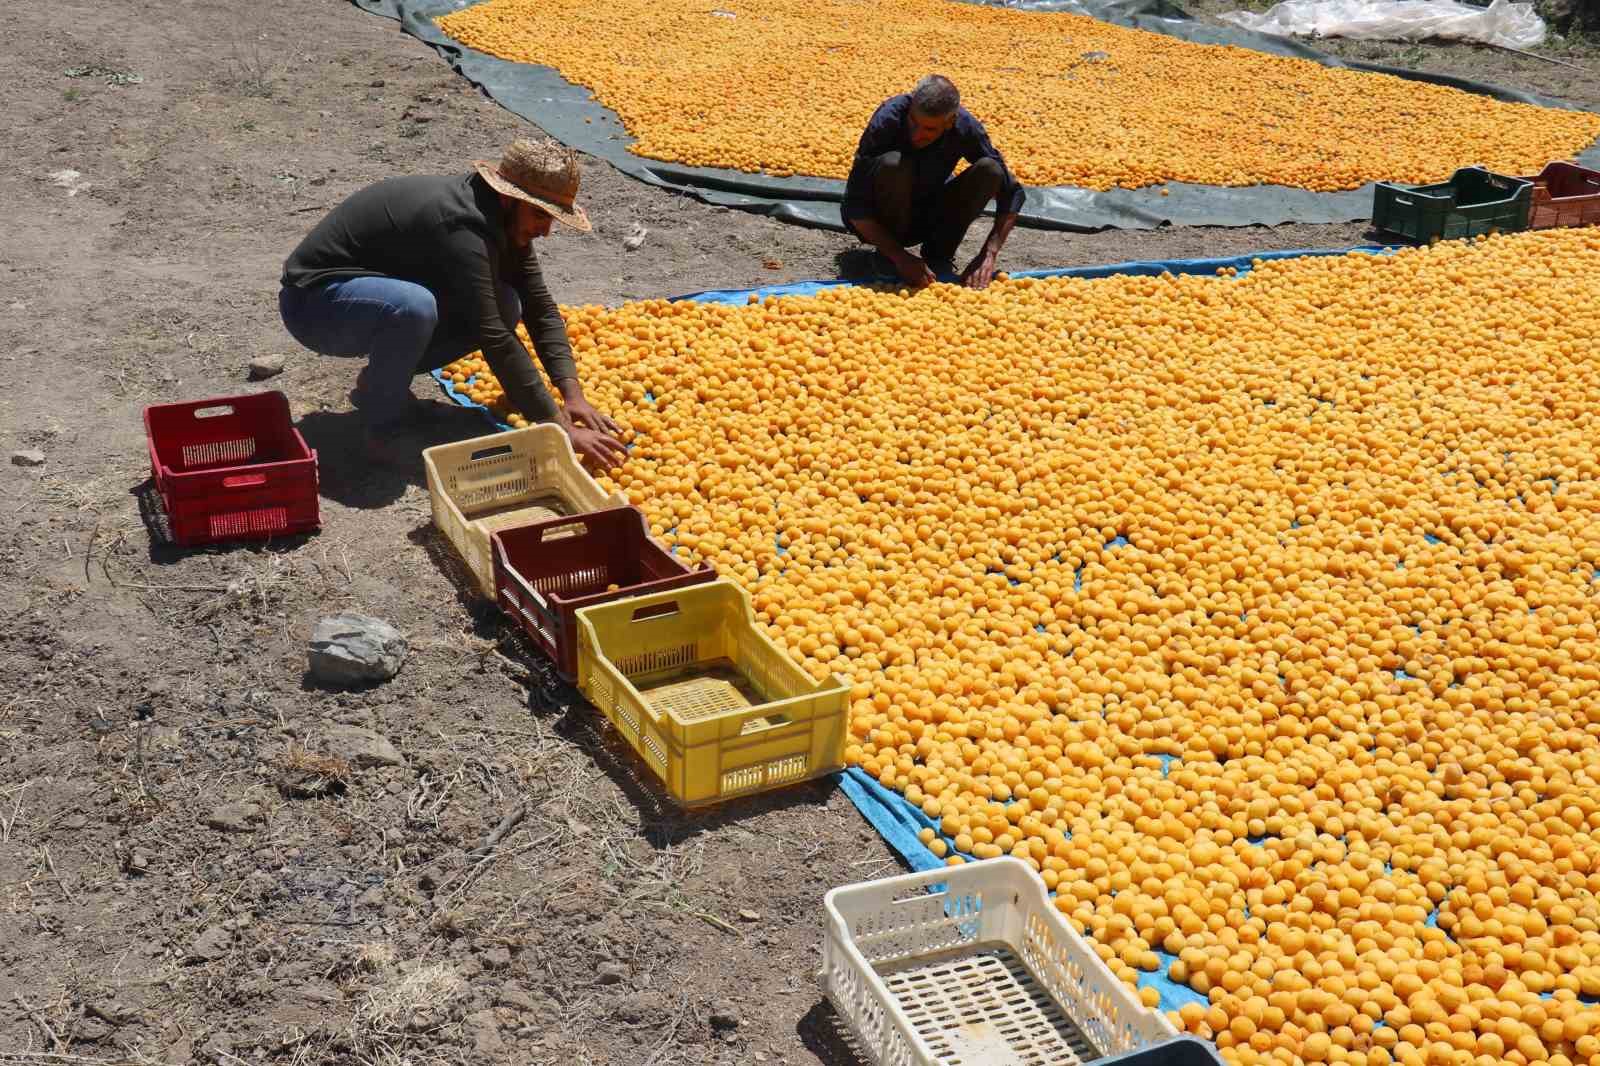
pixel 544 173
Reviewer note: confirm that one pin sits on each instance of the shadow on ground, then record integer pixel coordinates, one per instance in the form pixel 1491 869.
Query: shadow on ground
pixel 350 477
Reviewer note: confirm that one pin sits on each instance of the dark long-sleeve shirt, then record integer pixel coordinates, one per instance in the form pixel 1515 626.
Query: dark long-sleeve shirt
pixel 446 233
pixel 887 132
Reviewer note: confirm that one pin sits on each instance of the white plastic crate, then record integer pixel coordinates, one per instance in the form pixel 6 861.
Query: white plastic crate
pixel 980 971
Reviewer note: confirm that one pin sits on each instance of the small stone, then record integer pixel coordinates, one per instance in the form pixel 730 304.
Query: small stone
pixel 75 822
pixel 213 943
pixel 236 817
pixel 90 1030
pixel 114 1011
pixel 139 863
pixel 484 1030
pixel 750 915
pixel 32 457
pixel 376 83
pixel 218 1048
pixel 497 958
pixel 361 748
pixel 266 366
pixel 372 897
pixel 639 1007
pixel 610 973
pixel 515 997
pixel 635 238
pixel 427 882
pixel 723 1016
pixel 353 649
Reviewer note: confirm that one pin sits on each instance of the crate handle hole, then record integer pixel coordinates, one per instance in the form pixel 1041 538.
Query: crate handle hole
pixel 495 452
pixel 656 610
pixel 216 411
pixel 566 529
pixel 761 725
pixel 243 481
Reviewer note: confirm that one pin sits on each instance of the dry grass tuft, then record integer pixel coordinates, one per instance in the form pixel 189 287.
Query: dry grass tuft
pixel 409 996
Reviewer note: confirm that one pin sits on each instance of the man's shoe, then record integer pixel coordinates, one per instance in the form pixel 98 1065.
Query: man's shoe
pixel 943 269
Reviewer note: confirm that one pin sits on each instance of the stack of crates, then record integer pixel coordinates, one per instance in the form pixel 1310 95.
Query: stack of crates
pixel 232 468
pixel 672 655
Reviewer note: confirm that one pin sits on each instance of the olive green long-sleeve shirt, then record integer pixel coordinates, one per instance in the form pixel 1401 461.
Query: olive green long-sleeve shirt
pixel 447 234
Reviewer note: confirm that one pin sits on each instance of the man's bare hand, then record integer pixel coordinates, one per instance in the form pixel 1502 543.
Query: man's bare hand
pixel 914 271
pixel 596 450
pixel 980 272
pixel 583 413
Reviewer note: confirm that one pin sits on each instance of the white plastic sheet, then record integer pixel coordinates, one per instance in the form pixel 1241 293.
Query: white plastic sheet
pixel 1502 22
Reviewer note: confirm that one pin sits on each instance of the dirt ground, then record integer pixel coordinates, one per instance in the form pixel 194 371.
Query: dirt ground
pixel 186 875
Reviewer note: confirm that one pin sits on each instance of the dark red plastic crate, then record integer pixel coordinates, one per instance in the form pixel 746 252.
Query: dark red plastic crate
pixel 545 571
pixel 232 468
pixel 1565 194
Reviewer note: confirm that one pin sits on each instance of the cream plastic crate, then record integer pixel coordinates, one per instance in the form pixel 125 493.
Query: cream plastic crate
pixel 982 971
pixel 503 481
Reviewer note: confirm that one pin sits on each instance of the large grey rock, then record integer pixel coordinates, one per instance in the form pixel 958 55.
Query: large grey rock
pixel 361 748
pixel 354 649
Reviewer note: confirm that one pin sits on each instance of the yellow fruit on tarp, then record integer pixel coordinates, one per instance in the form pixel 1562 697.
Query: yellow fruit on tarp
pixel 1068 99
pixel 1259 613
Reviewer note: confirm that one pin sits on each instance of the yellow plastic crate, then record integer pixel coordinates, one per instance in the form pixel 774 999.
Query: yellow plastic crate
pixel 506 480
pixel 714 707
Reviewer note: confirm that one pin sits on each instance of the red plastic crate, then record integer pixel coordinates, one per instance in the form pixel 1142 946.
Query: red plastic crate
pixel 232 468
pixel 545 571
pixel 1565 194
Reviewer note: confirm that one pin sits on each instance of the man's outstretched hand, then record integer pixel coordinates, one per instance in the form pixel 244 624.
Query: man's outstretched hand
pixel 980 272
pixel 914 271
pixel 583 413
pixel 595 449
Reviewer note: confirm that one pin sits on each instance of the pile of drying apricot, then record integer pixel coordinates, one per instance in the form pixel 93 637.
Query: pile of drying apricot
pixel 1069 100
pixel 1258 613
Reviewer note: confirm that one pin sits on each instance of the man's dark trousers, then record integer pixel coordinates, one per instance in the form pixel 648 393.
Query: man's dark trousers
pixel 939 222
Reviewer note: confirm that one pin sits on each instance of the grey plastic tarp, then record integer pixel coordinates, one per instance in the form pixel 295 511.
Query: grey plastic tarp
pixel 570 114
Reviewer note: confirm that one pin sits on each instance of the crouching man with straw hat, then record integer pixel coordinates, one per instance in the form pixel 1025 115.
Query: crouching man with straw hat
pixel 415 272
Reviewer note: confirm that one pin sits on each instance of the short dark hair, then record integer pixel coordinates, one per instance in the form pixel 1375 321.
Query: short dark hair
pixel 936 96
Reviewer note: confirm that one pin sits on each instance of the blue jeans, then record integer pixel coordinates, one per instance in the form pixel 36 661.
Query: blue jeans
pixel 397 325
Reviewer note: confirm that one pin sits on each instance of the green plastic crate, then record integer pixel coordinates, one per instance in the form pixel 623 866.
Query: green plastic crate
pixel 1472 203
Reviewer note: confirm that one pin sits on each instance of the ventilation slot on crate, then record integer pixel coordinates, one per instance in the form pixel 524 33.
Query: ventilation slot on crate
pixel 266 520
pixel 222 451
pixel 657 755
pixel 656 661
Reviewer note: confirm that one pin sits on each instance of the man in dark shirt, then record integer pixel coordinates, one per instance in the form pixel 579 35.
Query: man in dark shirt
pixel 415 272
pixel 900 192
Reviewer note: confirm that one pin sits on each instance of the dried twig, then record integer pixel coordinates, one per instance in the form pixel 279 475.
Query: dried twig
pixel 88 550
pixel 38 1019
pixel 718 922
pixel 672 1033
pixel 507 823
pixel 50 864
pixel 16 808
pixel 1536 55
